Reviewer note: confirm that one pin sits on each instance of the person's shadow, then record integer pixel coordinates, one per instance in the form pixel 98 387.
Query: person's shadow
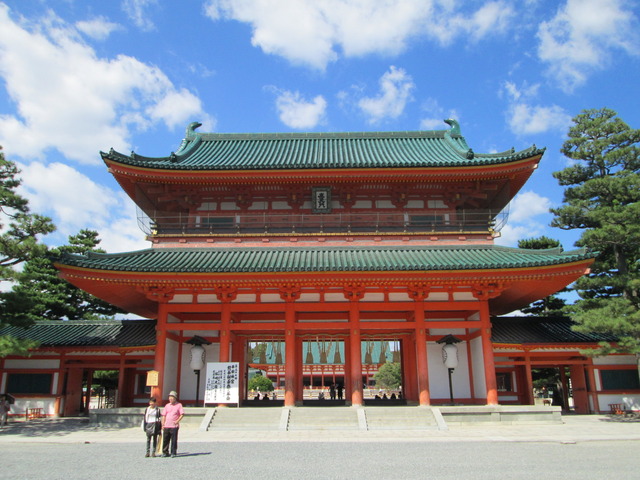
pixel 192 454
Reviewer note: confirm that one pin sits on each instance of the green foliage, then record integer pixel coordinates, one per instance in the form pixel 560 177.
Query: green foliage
pixel 41 294
pixel 602 198
pixel 389 376
pixel 258 382
pixel 20 227
pixel 18 243
pixel 539 243
pixel 15 346
pixel 552 305
pixel 105 380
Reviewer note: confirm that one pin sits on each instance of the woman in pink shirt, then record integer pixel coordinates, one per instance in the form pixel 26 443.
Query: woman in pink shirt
pixel 171 416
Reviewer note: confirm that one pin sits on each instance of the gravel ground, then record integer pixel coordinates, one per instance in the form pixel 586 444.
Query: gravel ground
pixel 324 460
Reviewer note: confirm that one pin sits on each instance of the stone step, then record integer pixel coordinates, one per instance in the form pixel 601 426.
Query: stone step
pixel 315 418
pixel 246 419
pixel 390 418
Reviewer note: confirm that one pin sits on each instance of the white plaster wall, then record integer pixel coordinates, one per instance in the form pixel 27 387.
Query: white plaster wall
pixel 245 298
pixel 615 360
pixel 46 403
pixel 182 298
pixel 309 297
pixel 188 379
pixel 477 360
pixel 631 402
pixel 29 363
pixel 170 366
pixel 439 375
pixel 399 297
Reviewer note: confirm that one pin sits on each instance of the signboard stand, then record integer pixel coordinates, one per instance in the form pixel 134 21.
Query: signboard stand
pixel 222 383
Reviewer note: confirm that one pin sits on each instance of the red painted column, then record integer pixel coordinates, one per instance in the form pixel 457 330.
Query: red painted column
pixel 422 365
pixel 354 294
pixel 225 337
pixel 355 357
pixel 226 295
pixel 487 353
pixel 120 401
pixel 579 384
pixel 291 380
pixel 290 370
pixel 529 377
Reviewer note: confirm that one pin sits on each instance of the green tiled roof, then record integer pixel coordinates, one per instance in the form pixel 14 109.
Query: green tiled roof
pixel 84 333
pixel 522 330
pixel 327 259
pixel 284 151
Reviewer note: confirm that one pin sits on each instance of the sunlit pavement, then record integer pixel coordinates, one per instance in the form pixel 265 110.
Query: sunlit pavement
pixel 575 428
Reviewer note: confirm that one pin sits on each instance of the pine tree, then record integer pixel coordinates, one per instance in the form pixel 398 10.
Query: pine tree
pixel 41 294
pixel 552 305
pixel 18 243
pixel 602 198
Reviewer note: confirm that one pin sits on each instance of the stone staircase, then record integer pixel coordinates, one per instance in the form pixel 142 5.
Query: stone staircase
pixel 245 419
pixel 394 418
pixel 317 418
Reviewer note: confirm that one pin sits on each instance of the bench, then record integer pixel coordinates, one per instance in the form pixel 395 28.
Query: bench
pixel 33 413
pixel 617 408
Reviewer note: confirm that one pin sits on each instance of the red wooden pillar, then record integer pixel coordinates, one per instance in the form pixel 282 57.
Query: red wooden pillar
pixel 528 394
pixel 354 390
pixel 487 353
pixel 422 365
pixel 226 295
pixel 120 401
pixel 225 336
pixel 579 386
pixel 409 375
pixel 291 379
pixel 73 398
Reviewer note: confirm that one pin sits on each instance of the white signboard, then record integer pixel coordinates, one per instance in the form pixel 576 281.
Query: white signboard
pixel 222 383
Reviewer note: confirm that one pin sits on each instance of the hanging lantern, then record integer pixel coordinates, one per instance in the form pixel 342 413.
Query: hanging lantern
pixel 197 357
pixel 450 355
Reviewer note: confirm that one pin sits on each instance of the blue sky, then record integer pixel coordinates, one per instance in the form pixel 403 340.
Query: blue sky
pixel 80 76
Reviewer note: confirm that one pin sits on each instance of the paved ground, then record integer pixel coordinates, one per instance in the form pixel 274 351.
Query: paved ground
pixel 325 460
pixel 584 447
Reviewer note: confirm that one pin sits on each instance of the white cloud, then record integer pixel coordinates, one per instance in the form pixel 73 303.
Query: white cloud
pixel 534 119
pixel 527 205
pixel 523 222
pixel 70 100
pixel 525 118
pixel 315 33
pixel 395 92
pixel 583 37
pixel 74 201
pixel 296 112
pixel 98 28
pixel 137 11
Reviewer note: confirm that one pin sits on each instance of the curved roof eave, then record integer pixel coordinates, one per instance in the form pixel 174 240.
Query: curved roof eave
pixel 320 151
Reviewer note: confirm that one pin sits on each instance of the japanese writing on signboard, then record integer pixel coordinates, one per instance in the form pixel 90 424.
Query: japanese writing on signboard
pixel 222 383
